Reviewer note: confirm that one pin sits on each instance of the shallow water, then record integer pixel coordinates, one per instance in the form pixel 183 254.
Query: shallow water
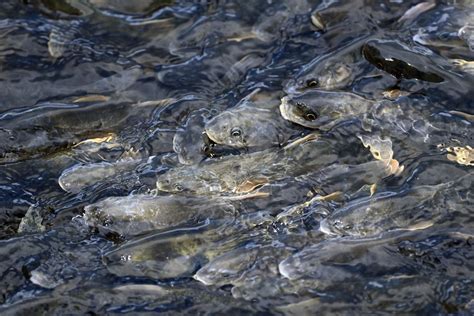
pixel 104 210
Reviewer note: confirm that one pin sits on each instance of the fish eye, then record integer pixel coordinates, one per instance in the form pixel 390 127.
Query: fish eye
pixel 310 116
pixel 306 112
pixel 178 187
pixel 312 83
pixel 236 132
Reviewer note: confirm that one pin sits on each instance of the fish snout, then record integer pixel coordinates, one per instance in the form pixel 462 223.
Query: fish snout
pixel 327 228
pixel 163 184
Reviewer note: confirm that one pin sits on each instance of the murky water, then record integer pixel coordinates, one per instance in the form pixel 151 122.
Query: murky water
pixel 282 157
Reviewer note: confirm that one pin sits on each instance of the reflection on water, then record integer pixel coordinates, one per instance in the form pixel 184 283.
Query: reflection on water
pixel 284 157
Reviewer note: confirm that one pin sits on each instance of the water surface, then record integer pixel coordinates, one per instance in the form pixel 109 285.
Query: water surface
pixel 100 99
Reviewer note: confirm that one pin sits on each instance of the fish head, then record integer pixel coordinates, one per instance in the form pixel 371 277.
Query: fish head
pixel 329 75
pixel 228 267
pixel 224 129
pixel 235 128
pixel 311 111
pixel 302 83
pixel 361 218
pixel 190 150
pixel 333 227
pixel 336 76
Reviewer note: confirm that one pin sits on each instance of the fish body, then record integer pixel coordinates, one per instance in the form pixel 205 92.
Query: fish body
pixel 229 173
pixel 135 214
pixel 343 260
pixel 413 209
pixel 178 253
pixel 77 177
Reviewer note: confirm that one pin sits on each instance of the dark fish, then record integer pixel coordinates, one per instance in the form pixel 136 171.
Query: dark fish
pixel 400 62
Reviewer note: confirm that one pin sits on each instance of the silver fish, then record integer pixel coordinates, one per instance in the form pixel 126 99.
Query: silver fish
pixel 178 252
pixel 135 214
pixel 189 143
pixel 323 109
pixel 243 173
pixel 249 126
pixel 252 270
pixel 77 177
pixel 336 182
pixel 414 209
pixel 333 261
pixel 331 71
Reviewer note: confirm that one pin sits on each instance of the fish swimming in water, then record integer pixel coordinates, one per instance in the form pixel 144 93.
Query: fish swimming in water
pixel 416 208
pixel 135 214
pixel 323 109
pixel 243 173
pixel 249 127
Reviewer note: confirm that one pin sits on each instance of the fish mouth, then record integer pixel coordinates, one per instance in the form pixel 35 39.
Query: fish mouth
pixel 326 228
pixel 292 90
pixel 283 271
pixel 292 87
pixel 284 109
pixel 207 133
pixel 163 185
pixel 201 277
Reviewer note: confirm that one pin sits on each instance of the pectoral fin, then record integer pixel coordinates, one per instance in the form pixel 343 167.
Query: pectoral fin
pixel 302 140
pixel 92 98
pixel 250 185
pixel 335 196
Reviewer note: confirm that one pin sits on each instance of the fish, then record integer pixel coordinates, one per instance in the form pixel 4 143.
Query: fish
pixel 54 127
pixel 334 70
pixel 382 119
pixel 230 174
pixel 249 126
pixel 393 257
pixel 323 110
pixel 207 32
pixel 338 182
pixel 355 15
pixel 411 209
pixel 180 252
pixel 60 39
pixel 343 260
pixel 252 271
pixel 76 178
pixel 227 267
pixel 135 214
pixel 417 62
pixel 415 11
pixel 189 142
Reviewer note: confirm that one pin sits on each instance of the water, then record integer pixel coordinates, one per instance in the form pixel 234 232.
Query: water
pixel 104 210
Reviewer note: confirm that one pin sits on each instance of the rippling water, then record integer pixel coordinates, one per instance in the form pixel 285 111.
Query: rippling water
pixel 281 157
